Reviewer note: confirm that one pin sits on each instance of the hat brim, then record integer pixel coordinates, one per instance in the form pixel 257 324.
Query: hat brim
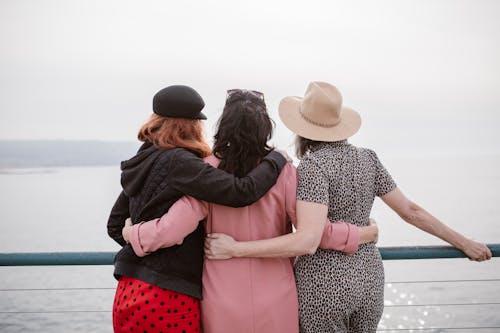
pixel 289 111
pixel 201 115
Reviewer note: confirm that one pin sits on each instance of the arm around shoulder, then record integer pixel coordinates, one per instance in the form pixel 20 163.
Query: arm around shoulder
pixel 196 178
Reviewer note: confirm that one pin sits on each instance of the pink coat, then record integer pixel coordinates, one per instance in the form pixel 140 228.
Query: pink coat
pixel 244 294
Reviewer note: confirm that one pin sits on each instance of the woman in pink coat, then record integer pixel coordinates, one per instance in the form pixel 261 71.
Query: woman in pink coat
pixel 249 294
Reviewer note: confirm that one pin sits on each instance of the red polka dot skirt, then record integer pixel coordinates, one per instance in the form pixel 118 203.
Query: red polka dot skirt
pixel 145 308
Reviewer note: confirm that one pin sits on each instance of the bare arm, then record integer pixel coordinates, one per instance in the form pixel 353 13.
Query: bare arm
pixel 311 218
pixel 420 218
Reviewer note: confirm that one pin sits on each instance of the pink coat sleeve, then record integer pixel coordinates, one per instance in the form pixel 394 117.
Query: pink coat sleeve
pixel 180 220
pixel 339 236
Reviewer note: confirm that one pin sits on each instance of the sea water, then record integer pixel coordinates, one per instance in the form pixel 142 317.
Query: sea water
pixel 66 209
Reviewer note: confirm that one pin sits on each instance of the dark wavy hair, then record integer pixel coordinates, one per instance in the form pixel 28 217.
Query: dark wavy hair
pixel 242 133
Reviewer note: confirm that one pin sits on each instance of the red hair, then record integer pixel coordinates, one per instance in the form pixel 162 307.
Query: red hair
pixel 169 133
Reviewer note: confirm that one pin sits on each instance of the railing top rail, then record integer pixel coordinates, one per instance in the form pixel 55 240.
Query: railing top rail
pixel 106 258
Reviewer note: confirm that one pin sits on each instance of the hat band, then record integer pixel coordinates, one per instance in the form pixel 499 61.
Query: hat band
pixel 309 120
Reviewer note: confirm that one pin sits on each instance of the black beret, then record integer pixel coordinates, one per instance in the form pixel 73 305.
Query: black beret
pixel 179 102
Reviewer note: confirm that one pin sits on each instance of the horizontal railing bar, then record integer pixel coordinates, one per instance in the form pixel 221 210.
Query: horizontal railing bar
pixel 106 258
pixel 428 252
pixel 56 258
pixel 442 281
pixel 437 328
pixel 47 312
pixel 56 289
pixel 442 304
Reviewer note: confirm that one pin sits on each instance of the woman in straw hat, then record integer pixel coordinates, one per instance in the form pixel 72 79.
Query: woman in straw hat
pixel 339 292
pixel 248 294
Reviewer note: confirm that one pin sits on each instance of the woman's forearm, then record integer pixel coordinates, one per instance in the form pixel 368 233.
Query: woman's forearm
pixel 181 219
pixel 289 245
pixel 420 218
pixel 423 220
pixel 311 218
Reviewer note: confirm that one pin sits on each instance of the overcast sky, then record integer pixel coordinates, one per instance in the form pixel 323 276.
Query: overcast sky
pixel 425 75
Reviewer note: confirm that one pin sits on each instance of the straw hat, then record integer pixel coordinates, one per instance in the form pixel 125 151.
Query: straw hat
pixel 319 115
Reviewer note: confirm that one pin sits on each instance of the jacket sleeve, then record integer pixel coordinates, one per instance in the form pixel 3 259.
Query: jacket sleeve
pixel 116 222
pixel 340 236
pixel 181 220
pixel 192 176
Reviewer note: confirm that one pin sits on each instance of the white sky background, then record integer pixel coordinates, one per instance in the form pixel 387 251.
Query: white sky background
pixel 425 75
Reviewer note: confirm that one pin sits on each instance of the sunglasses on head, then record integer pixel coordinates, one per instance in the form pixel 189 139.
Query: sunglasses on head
pixel 253 92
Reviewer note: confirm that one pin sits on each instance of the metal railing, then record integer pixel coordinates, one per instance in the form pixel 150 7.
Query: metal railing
pixel 387 253
pixel 106 258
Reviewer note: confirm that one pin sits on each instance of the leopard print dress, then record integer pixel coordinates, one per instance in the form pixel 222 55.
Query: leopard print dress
pixel 341 292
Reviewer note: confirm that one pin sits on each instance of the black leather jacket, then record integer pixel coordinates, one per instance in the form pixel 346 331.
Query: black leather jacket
pixel 152 181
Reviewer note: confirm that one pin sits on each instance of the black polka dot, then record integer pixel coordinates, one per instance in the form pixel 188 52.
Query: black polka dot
pixel 161 318
pixel 153 310
pixel 162 303
pixel 147 302
pixel 168 325
pixel 175 325
pixel 182 303
pixel 145 317
pixel 175 310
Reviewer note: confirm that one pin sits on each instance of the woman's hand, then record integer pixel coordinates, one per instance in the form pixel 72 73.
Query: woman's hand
pixel 219 246
pixel 476 251
pixel 126 230
pixel 369 234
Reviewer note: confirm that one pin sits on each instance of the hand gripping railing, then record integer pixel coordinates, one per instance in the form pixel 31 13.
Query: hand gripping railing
pixel 106 258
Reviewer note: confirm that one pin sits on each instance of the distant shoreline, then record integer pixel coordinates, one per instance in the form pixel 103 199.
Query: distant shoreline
pixel 20 154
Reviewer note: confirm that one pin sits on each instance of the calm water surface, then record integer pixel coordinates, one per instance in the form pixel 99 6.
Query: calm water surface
pixel 65 209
